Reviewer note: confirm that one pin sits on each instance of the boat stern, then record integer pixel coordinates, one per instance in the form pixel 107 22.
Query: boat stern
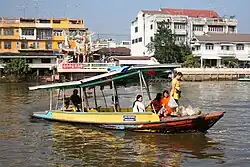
pixel 42 115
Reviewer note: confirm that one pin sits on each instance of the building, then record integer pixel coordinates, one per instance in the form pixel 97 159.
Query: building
pixel 99 44
pixel 213 49
pixel 26 37
pixel 185 23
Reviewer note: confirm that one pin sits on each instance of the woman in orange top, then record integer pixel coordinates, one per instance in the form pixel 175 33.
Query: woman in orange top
pixel 165 100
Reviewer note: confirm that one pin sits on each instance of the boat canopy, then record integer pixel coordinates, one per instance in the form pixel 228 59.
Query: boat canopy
pixel 122 76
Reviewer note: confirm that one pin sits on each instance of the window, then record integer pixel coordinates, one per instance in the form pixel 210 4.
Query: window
pixel 240 47
pixel 180 38
pixel 37 45
pixel 136 40
pixel 0 31
pixel 48 45
pixel 209 47
pixel 17 45
pixel 151 39
pixel 215 28
pixel 197 28
pixel 58 33
pixel 24 45
pixel 45 60
pixel 29 60
pixel 140 39
pixel 197 47
pixel 7 45
pixel 151 26
pixel 225 47
pixel 136 29
pixel 44 34
pixel 231 29
pixel 179 26
pixel 56 21
pixel 133 41
pixel 29 32
pixel 8 31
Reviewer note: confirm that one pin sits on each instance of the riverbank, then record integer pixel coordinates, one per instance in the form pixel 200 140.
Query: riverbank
pixel 213 74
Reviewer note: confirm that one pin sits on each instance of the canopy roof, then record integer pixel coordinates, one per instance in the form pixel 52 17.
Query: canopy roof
pixel 122 76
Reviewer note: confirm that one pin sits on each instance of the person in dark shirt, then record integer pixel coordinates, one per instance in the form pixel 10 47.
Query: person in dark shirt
pixel 76 99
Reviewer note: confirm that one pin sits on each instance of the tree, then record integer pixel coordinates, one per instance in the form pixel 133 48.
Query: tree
pixel 191 62
pixel 164 46
pixel 17 68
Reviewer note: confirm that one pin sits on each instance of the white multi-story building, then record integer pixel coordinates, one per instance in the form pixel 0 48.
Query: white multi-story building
pixel 99 44
pixel 185 23
pixel 213 49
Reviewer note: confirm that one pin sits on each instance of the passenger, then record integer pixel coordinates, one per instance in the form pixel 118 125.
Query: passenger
pixel 175 89
pixel 164 102
pixel 76 99
pixel 138 106
pixel 156 103
pixel 66 104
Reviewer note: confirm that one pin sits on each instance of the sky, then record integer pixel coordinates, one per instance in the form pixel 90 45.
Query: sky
pixel 112 18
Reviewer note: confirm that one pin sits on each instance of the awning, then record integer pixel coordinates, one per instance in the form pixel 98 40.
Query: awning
pixel 243 58
pixel 210 57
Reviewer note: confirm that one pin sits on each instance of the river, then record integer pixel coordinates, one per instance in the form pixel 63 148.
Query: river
pixel 31 142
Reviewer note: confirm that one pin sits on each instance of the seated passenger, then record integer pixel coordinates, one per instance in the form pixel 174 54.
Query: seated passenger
pixel 156 103
pixel 76 99
pixel 138 106
pixel 164 102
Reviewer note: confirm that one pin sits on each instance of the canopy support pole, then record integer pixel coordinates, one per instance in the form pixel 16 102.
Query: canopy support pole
pixel 85 98
pixel 58 97
pixel 113 86
pixel 118 103
pixel 104 98
pixel 140 77
pixel 63 94
pixel 80 92
pixel 95 98
pixel 147 88
pixel 50 99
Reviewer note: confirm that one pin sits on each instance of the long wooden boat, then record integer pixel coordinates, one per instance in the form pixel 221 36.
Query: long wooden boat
pixel 244 79
pixel 123 118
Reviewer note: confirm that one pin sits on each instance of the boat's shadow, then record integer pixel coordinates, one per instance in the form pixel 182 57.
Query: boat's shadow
pixel 71 140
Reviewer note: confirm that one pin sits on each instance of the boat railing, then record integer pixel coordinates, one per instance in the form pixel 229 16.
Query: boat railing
pixel 83 67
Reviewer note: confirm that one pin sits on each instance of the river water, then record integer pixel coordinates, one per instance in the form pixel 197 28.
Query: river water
pixel 31 142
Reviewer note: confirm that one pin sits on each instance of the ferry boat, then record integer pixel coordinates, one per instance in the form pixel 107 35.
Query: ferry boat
pixel 122 118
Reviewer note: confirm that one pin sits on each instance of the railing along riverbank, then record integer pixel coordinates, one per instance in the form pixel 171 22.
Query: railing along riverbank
pixel 213 74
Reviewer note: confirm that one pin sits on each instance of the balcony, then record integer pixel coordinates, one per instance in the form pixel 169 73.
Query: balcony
pixel 180 31
pixel 198 21
pixel 226 53
pixel 231 22
pixel 43 25
pixel 216 22
pixel 28 37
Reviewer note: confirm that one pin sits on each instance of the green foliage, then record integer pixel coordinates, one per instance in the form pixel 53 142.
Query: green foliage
pixel 191 62
pixel 165 48
pixel 16 67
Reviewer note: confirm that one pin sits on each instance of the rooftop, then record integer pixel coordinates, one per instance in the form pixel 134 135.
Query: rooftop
pixel 230 38
pixel 184 12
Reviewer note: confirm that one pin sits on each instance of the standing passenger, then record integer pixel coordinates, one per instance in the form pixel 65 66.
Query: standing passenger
pixel 176 89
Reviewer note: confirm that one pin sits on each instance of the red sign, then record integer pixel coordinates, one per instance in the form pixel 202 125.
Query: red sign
pixel 72 65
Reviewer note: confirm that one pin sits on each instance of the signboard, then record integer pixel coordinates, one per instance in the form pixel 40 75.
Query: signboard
pixel 129 118
pixel 72 66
